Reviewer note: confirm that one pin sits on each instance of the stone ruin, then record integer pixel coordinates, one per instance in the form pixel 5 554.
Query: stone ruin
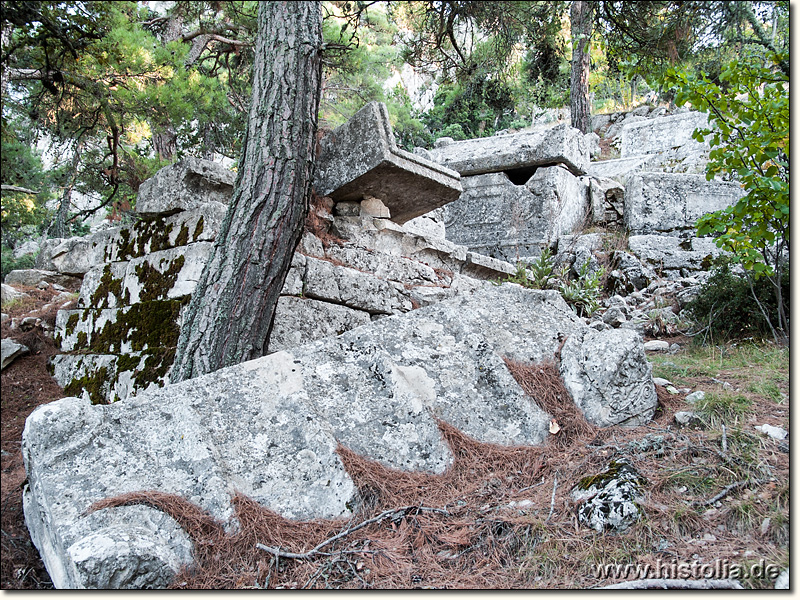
pixel 385 323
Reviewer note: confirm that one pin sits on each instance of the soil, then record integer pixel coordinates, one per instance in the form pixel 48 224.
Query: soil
pixel 541 547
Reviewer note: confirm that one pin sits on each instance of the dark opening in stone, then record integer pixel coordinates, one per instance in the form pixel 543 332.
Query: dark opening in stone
pixel 521 175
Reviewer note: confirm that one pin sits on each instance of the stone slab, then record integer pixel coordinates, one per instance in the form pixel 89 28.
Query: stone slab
pixel 672 253
pixel 361 158
pixel 78 255
pixel 185 185
pixel 562 145
pixel 620 169
pixel 652 136
pixel 672 202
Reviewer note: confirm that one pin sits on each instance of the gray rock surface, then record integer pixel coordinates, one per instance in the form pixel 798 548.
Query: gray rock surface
pixel 608 376
pixel 10 294
pixel 652 136
pixel 10 350
pixel 361 158
pixel 610 500
pixel 33 277
pixel 562 145
pixel 185 185
pixel 498 218
pixel 620 169
pixel 29 247
pixel 669 202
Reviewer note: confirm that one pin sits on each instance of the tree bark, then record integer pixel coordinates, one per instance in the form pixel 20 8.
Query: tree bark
pixel 581 31
pixel 58 229
pixel 230 315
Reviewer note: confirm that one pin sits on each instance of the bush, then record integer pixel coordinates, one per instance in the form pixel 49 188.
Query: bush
pixel 9 263
pixel 725 308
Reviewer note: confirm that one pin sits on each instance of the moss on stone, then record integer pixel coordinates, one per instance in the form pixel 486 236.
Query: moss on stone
pixel 155 283
pixel 146 326
pixel 183 236
pixel 616 470
pixel 93 384
pixel 198 229
pixel 72 323
pixel 109 285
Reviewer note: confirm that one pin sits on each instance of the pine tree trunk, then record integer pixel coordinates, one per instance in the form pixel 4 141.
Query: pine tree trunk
pixel 230 315
pixel 581 31
pixel 58 229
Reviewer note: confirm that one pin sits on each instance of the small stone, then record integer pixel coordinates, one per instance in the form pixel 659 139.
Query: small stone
pixel 765 525
pixel 661 381
pixel 686 417
pixel 709 537
pixel 656 346
pixel 776 433
pixel 10 350
pixel 373 207
pixel 347 208
pixel 696 397
pixel 674 348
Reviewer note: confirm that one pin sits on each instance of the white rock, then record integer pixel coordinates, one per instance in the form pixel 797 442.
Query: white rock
pixel 656 346
pixel 11 350
pixel 777 433
pixel 696 397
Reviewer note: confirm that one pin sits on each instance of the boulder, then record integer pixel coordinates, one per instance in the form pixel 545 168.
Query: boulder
pixel 608 376
pixel 9 350
pixel 672 202
pixel 361 158
pixel 185 185
pixel 664 253
pixel 517 152
pixel 29 247
pixel 269 429
pixel 610 500
pixel 10 294
pixel 33 277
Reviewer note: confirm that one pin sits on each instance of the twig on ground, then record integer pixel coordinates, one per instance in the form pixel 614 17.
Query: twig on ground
pixel 726 490
pixel 724 439
pixel 393 513
pixel 676 584
pixel 552 499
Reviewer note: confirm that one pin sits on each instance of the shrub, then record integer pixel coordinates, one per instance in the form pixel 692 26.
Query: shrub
pixel 9 263
pixel 725 309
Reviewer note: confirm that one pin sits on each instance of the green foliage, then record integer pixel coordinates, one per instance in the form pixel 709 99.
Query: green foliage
pixel 582 293
pixel 9 263
pixel 725 308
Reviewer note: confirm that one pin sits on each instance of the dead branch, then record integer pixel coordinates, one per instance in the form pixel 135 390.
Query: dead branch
pixel 676 584
pixel 727 490
pixel 394 513
pixel 16 188
pixel 552 499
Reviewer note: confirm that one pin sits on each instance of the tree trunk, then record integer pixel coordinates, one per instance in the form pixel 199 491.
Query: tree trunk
pixel 581 31
pixel 230 315
pixel 58 229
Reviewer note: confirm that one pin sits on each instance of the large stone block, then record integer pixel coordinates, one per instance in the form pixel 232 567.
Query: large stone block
pixel 620 169
pixel 517 152
pixel 185 185
pixel 498 218
pixel 361 158
pixel 162 275
pixel 33 277
pixel 671 202
pixel 652 136
pixel 672 253
pixel 608 376
pixel 78 255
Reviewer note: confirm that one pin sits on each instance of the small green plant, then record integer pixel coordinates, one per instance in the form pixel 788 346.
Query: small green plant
pixel 9 263
pixel 723 408
pixel 583 293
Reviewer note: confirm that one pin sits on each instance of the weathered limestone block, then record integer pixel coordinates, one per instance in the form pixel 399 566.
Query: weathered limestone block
pixel 664 202
pixel 106 378
pixel 620 169
pixel 428 225
pixel 269 428
pixel 141 326
pixel 361 158
pixel 162 275
pixel 610 500
pixel 652 136
pixel 362 291
pixel 10 294
pixel 185 185
pixel 497 218
pixel 33 277
pixel 302 320
pixel 78 255
pixel 390 267
pixel 562 145
pixel 672 253
pixel 607 198
pixel 608 376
